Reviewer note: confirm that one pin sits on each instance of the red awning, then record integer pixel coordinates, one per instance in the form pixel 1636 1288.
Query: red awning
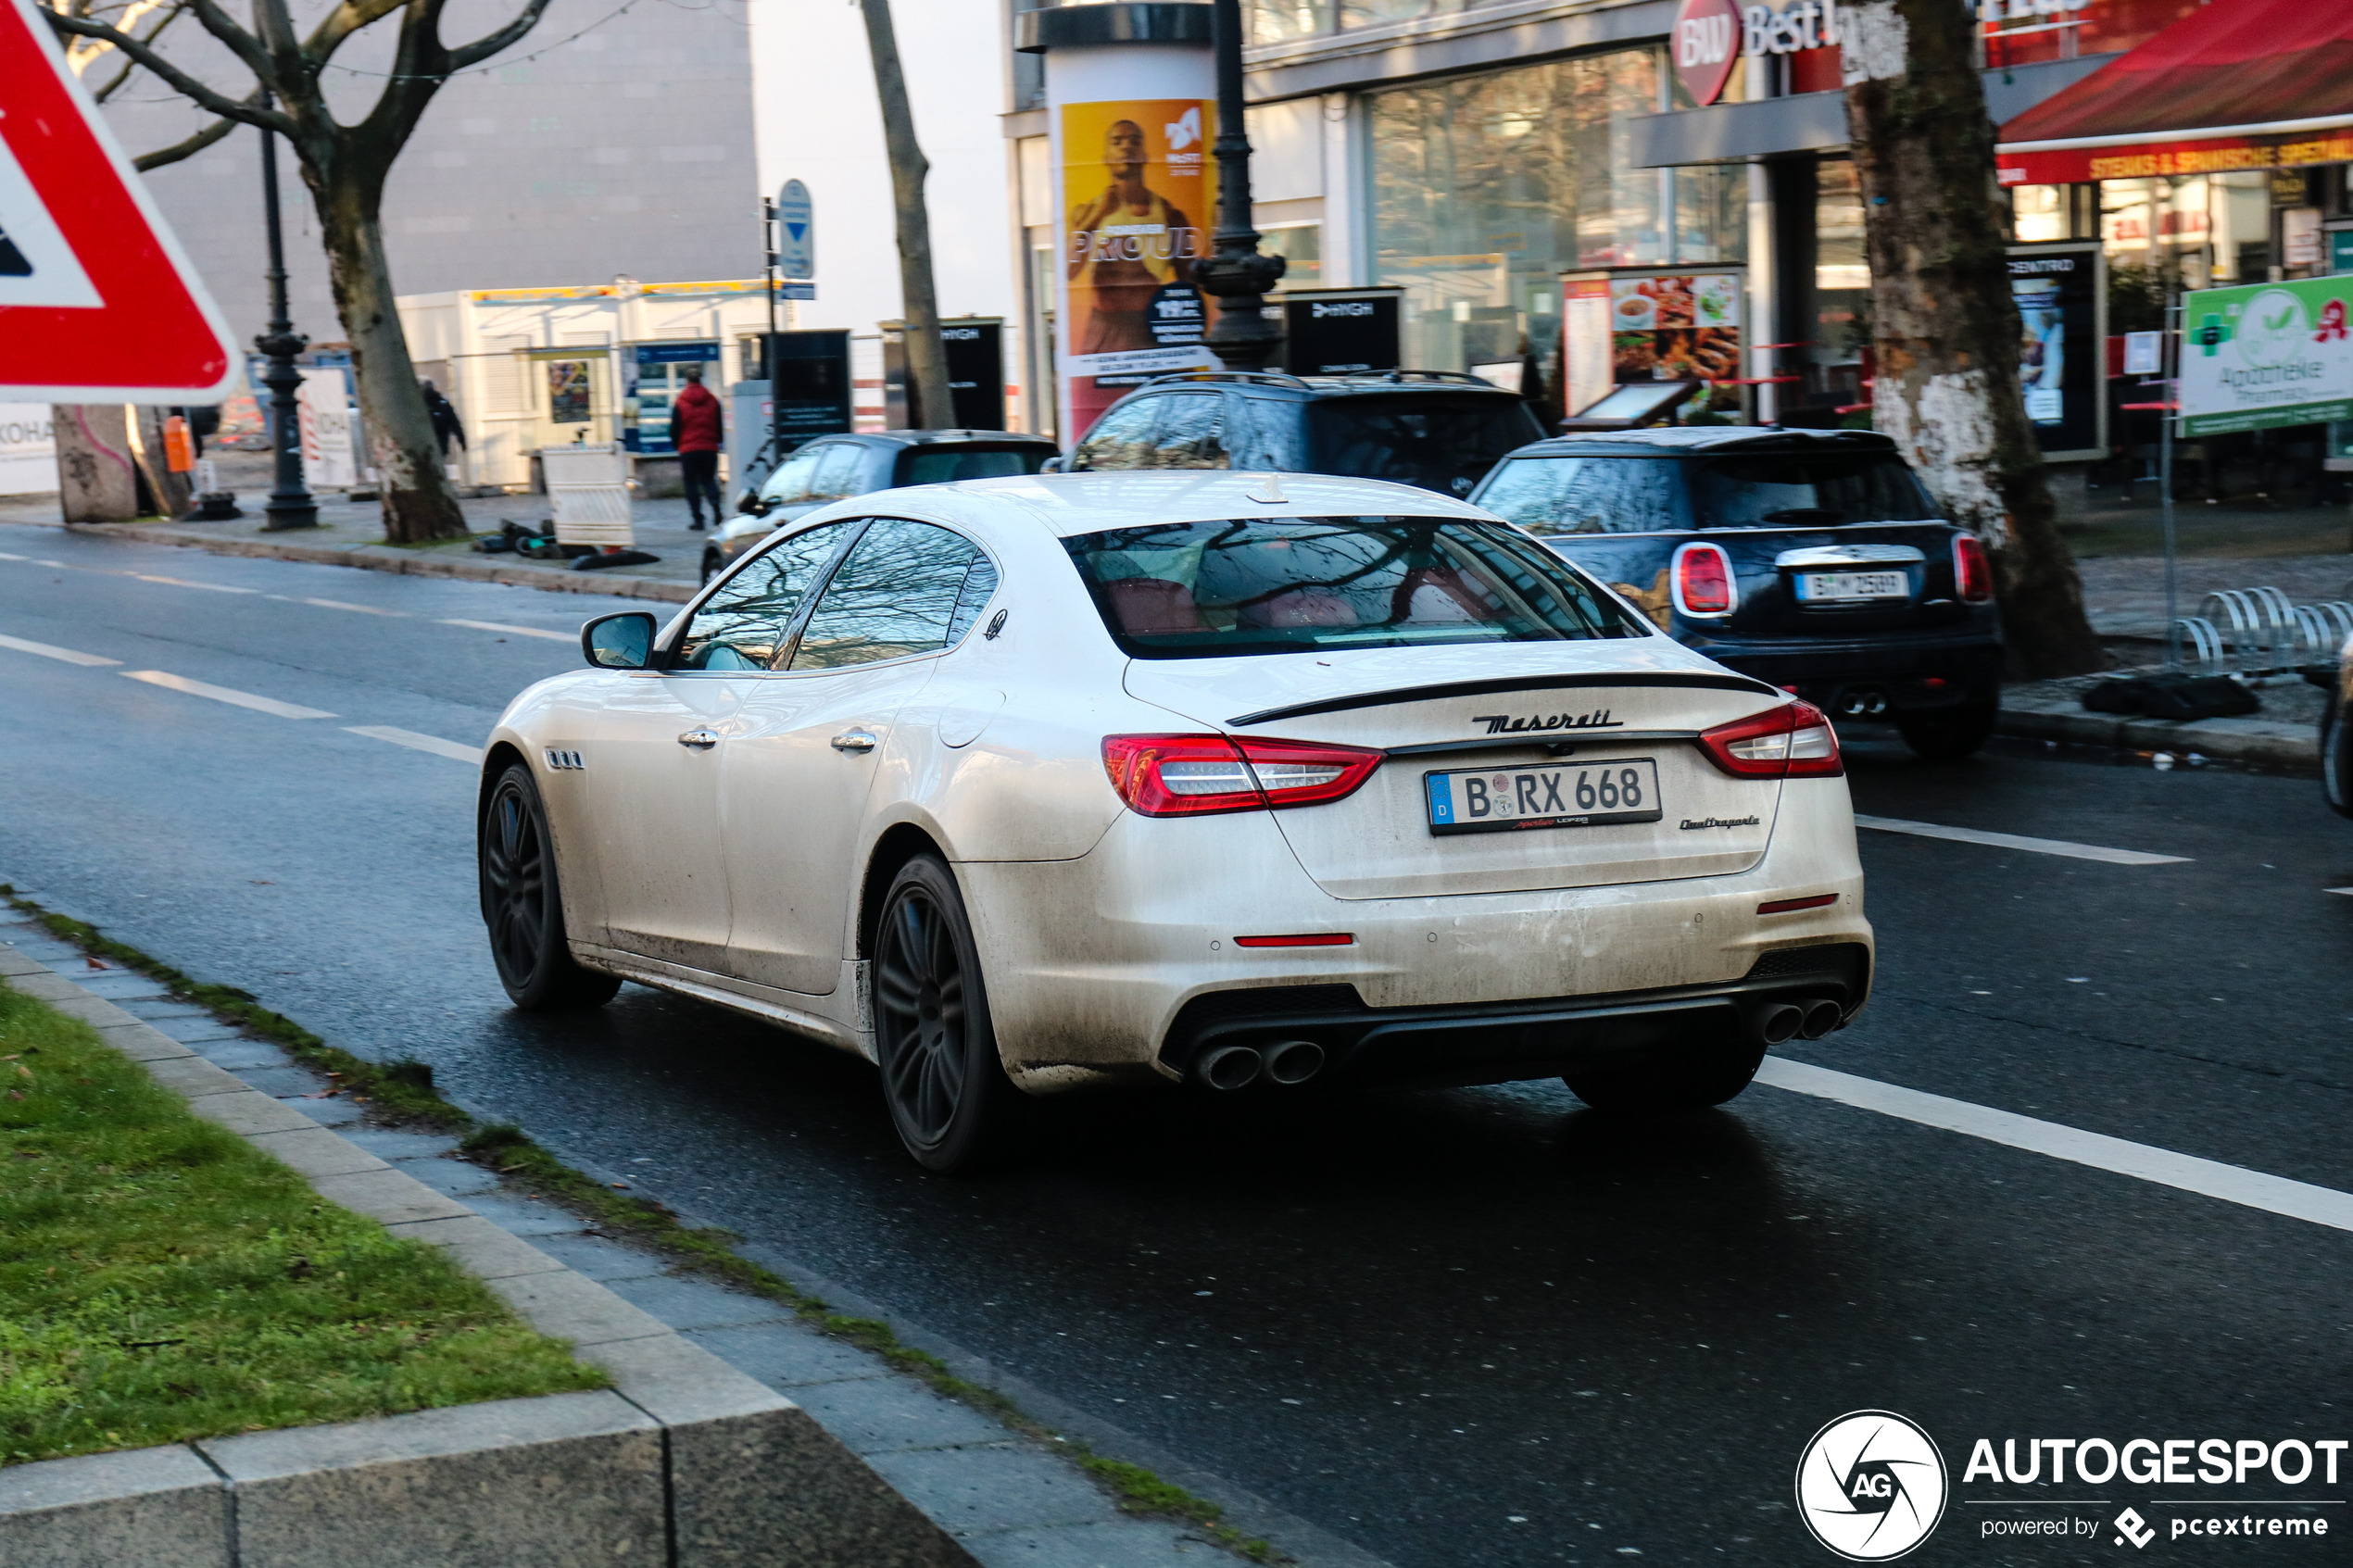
pixel 2239 85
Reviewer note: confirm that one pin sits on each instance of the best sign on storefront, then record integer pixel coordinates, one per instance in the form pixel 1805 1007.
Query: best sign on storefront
pixel 1705 31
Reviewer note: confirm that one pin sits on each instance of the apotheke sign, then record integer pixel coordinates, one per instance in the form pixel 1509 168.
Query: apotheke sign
pixel 1707 31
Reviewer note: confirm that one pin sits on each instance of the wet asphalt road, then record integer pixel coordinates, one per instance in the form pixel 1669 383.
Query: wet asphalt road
pixel 1477 1326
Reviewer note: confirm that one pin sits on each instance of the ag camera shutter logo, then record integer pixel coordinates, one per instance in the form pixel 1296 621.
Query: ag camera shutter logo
pixel 1871 1485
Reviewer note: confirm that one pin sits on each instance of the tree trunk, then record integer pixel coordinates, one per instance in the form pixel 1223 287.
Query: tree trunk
pixel 1945 327
pixel 933 404
pixel 417 501
pixel 98 478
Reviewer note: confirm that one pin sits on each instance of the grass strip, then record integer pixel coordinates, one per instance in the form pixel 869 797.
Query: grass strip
pixel 161 1279
pixel 403 1092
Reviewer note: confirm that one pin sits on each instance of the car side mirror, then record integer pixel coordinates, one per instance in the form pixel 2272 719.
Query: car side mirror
pixel 1056 464
pixel 619 642
pixel 753 505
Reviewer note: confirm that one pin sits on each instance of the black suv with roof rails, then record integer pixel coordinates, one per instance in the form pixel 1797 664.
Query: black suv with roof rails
pixel 1813 559
pixel 1437 429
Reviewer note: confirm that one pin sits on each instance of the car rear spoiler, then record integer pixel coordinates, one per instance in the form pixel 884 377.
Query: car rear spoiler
pixel 1695 679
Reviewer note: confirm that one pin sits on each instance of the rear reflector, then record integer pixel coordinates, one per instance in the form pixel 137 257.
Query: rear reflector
pixel 1784 905
pixel 1317 939
pixel 1794 741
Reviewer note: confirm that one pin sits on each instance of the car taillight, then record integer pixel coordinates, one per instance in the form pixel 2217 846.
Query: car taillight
pixel 1197 775
pixel 1794 741
pixel 1702 580
pixel 1973 573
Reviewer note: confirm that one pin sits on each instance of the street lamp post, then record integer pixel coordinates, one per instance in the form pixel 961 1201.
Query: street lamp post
pixel 290 504
pixel 1239 275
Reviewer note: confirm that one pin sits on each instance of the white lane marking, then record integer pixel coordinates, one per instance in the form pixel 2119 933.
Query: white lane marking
pixel 189 582
pixel 6 555
pixel 331 604
pixel 2014 840
pixel 455 751
pixel 517 631
pixel 69 654
pixel 223 694
pixel 2347 891
pixel 2211 1178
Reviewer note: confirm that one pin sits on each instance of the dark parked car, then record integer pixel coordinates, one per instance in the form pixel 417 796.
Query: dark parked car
pixel 833 468
pixel 1813 559
pixel 1437 429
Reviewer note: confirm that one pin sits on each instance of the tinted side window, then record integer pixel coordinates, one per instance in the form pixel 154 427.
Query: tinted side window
pixel 791 482
pixel 896 594
pixel 1190 431
pixel 743 626
pixel 841 474
pixel 1121 439
pixel 931 465
pixel 1262 433
pixel 1591 494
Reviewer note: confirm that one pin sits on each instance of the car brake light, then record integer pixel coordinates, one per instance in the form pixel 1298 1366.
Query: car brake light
pixel 1199 775
pixel 1794 741
pixel 1703 582
pixel 1973 573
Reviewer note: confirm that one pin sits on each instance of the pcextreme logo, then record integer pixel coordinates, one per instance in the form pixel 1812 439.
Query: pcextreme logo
pixel 1871 1485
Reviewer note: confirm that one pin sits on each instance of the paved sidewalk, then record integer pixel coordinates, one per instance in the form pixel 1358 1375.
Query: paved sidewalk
pixel 1006 1498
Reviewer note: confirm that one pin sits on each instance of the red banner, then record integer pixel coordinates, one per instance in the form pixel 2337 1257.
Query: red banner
pixel 2142 160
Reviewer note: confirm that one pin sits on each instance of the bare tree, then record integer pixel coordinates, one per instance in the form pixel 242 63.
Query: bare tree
pixel 1945 324
pixel 345 165
pixel 934 406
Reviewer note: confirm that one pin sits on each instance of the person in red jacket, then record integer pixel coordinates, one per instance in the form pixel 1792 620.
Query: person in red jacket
pixel 695 431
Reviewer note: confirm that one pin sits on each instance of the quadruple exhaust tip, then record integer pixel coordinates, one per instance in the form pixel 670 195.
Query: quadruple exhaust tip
pixel 1227 1068
pixel 1777 1024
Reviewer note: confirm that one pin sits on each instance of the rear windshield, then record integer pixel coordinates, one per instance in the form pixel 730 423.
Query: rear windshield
pixel 931 465
pixel 1257 585
pixel 1443 444
pixel 1611 494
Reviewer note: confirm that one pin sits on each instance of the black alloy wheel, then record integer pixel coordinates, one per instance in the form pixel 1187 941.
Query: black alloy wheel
pixel 950 1098
pixel 523 907
pixel 2336 756
pixel 1947 735
pixel 1690 1081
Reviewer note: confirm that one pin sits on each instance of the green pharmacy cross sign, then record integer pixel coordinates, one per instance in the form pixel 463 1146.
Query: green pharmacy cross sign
pixel 2266 355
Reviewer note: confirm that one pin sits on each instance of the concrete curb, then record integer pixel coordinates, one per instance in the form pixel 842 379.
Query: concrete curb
pixel 387 558
pixel 687 1463
pixel 2264 741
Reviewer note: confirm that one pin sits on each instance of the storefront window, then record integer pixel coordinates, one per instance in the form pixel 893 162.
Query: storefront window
pixel 2162 235
pixel 1485 188
pixel 2040 212
pixel 1842 285
pixel 1302 247
pixel 1271 21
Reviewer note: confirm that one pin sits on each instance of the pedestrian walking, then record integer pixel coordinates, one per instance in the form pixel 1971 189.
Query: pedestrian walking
pixel 446 424
pixel 695 429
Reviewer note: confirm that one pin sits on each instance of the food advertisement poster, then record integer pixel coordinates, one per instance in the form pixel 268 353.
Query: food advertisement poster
pixel 2265 355
pixel 1139 193
pixel 1676 328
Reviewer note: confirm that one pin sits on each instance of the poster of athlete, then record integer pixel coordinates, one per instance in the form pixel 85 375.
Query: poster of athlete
pixel 1138 189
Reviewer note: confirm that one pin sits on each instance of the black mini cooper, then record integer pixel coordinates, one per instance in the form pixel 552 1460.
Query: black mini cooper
pixel 1813 559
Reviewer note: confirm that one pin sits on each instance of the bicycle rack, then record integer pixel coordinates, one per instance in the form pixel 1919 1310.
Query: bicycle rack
pixel 2325 628
pixel 2263 633
pixel 2200 643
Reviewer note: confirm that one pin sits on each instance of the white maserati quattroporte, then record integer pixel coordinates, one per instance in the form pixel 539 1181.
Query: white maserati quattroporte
pixel 1023 787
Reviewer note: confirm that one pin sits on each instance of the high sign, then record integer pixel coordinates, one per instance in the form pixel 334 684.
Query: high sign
pixel 1340 331
pixel 1704 38
pixel 100 306
pixel 2266 355
pixel 796 233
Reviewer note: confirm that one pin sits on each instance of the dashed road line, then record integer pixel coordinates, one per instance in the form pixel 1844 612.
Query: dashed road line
pixel 224 694
pixel 517 631
pixel 456 751
pixel 2185 1173
pixel 71 656
pixel 2347 891
pixel 190 583
pixel 2015 841
pixel 334 604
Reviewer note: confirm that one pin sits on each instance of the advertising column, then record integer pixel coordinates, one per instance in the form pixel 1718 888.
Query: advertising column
pixel 1135 192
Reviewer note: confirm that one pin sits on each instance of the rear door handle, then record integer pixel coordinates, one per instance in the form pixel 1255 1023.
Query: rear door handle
pixel 854 740
pixel 699 740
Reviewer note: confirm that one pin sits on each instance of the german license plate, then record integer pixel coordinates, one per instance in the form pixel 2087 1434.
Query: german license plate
pixel 1566 795
pixel 1828 587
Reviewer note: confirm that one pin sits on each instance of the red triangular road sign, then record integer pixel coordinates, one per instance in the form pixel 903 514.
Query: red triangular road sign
pixel 97 305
